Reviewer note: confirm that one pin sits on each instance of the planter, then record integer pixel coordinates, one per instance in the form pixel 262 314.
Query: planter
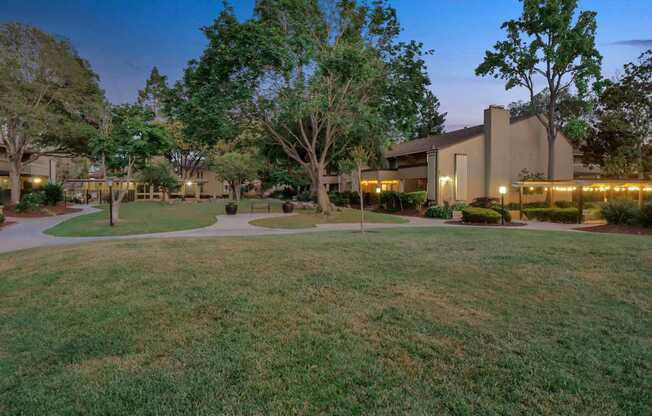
pixel 288 207
pixel 231 209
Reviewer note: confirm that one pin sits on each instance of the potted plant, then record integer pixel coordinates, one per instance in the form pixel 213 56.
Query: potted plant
pixel 231 208
pixel 288 207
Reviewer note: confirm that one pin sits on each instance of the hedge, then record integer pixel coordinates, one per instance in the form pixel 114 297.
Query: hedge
pixel 565 215
pixel 393 199
pixel 620 211
pixel 506 213
pixel 480 215
pixel 436 211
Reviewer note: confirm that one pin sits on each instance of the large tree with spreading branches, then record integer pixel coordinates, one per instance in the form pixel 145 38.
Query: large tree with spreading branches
pixel 49 98
pixel 320 77
pixel 550 43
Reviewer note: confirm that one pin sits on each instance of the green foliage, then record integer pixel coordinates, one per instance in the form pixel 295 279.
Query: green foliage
pixel 436 211
pixel 459 205
pixel 343 199
pixel 563 215
pixel 514 206
pixel 396 200
pixel 160 175
pixel 503 212
pixel 480 215
pixel 236 169
pixel 484 202
pixel 414 199
pixel 30 202
pixel 645 215
pixel 620 144
pixel 2 217
pixel 547 41
pixel 52 194
pixel 564 204
pixel 620 211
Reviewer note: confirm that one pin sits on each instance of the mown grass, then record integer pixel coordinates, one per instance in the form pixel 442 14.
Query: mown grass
pixel 404 321
pixel 152 217
pixel 312 219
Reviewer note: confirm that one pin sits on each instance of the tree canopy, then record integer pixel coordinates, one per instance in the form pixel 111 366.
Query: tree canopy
pixel 49 98
pixel 319 77
pixel 551 43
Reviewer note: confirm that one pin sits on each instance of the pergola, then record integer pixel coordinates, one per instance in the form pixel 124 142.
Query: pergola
pixel 579 188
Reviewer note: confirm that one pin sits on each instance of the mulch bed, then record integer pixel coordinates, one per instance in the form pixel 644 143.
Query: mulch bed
pixel 617 229
pixel 50 211
pixel 482 224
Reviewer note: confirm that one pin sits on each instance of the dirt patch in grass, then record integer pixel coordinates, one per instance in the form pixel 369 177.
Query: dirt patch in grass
pixel 47 211
pixel 617 229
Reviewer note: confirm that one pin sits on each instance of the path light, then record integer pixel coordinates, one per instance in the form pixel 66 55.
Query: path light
pixel 109 182
pixel 502 190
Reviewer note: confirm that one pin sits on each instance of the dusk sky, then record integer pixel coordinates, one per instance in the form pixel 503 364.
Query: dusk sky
pixel 123 39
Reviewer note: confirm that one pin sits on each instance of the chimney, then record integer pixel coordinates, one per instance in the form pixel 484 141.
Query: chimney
pixel 497 149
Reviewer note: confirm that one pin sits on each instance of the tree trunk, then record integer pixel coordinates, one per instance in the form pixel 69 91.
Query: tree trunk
pixel 115 214
pixel 15 166
pixel 552 136
pixel 361 202
pixel 236 190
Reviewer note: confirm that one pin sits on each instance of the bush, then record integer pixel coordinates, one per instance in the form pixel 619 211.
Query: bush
pixel 645 216
pixel 459 205
pixel 413 199
pixel 484 202
pixel 52 194
pixel 30 202
pixel 436 211
pixel 480 215
pixel 620 211
pixel 2 217
pixel 305 196
pixel 338 199
pixel 514 206
pixel 564 215
pixel 505 212
pixel 565 204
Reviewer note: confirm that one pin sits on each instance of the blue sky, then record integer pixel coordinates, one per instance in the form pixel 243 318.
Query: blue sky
pixel 123 39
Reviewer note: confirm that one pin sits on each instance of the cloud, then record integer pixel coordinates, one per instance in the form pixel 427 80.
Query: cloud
pixel 639 43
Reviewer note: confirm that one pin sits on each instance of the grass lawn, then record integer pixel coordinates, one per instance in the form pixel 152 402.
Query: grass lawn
pixel 151 217
pixel 311 219
pixel 404 321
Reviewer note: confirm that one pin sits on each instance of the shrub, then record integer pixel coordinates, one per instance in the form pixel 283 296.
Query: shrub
pixel 484 202
pixel 338 199
pixel 480 215
pixel 539 214
pixel 565 215
pixel 645 216
pixel 437 211
pixel 564 204
pixel 30 202
pixel 514 206
pixel 505 212
pixel 620 211
pixel 413 199
pixel 459 205
pixel 2 217
pixel 305 196
pixel 390 199
pixel 52 194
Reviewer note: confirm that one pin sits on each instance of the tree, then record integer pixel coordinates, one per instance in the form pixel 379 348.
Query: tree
pixel 319 77
pixel 359 157
pixel 430 122
pixel 547 42
pixel 160 175
pixel 235 168
pixel 133 139
pixel 621 141
pixel 153 96
pixel 49 98
pixel 574 113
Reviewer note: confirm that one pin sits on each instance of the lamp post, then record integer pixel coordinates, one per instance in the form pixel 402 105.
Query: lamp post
pixel 502 190
pixel 110 183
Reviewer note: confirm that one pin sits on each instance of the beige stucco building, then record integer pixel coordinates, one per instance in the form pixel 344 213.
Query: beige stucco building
pixel 468 163
pixel 33 175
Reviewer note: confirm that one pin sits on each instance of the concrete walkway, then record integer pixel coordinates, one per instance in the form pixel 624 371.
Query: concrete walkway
pixel 28 232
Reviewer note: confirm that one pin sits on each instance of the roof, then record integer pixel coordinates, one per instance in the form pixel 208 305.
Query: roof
pixel 442 141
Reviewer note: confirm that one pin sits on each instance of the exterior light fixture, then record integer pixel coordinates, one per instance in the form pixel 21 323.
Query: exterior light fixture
pixel 37 180
pixel 377 190
pixel 189 183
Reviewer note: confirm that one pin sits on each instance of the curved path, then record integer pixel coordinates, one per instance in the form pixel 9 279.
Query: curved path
pixel 28 232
